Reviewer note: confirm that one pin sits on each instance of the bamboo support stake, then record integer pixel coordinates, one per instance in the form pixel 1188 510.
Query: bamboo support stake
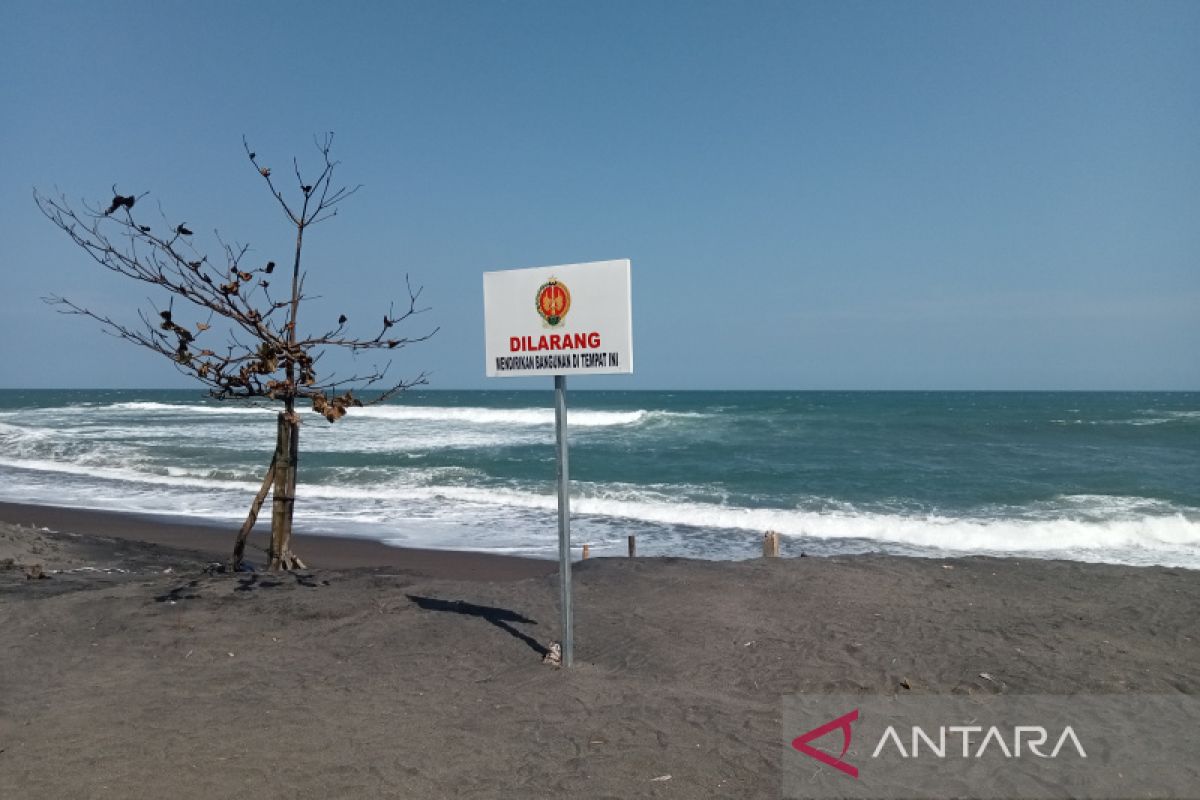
pixel 239 548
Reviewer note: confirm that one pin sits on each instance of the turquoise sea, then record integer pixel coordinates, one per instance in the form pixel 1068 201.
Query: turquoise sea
pixel 1094 476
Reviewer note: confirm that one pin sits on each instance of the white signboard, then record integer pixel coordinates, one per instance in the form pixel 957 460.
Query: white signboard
pixel 574 319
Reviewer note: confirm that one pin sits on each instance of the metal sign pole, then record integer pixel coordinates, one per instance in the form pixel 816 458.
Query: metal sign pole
pixel 564 520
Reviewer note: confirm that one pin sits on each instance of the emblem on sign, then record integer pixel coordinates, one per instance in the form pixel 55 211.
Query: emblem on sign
pixel 553 302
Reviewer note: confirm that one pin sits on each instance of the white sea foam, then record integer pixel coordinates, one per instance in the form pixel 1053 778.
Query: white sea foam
pixel 108 472
pixel 1157 417
pixel 16 433
pixel 499 416
pixel 1146 416
pixel 1177 414
pixel 460 415
pixel 1119 529
pixel 1176 532
pixel 142 407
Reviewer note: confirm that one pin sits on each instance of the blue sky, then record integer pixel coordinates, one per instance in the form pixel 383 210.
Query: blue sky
pixel 813 195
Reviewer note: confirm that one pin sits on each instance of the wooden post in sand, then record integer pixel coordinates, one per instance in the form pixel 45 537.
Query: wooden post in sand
pixel 770 544
pixel 587 550
pixel 632 546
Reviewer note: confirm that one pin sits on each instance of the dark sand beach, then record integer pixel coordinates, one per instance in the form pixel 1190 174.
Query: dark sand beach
pixel 131 672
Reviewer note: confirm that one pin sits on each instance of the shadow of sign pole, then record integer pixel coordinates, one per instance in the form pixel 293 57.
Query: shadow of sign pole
pixel 564 520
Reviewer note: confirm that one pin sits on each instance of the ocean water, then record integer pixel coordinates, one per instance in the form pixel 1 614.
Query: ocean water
pixel 1111 477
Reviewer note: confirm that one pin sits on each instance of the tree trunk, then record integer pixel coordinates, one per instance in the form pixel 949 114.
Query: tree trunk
pixel 288 440
pixel 283 500
pixel 239 547
pixel 294 460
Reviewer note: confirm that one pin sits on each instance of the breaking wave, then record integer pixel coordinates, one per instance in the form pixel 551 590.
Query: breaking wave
pixel 1089 527
pixel 460 415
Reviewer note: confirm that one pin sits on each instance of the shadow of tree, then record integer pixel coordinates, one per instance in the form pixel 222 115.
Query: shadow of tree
pixel 500 617
pixel 177 594
pixel 255 580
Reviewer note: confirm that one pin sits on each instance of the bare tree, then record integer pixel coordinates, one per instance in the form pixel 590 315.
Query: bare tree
pixel 230 331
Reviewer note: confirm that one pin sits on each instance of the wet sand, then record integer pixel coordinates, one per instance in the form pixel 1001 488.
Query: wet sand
pixel 134 673
pixel 328 552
